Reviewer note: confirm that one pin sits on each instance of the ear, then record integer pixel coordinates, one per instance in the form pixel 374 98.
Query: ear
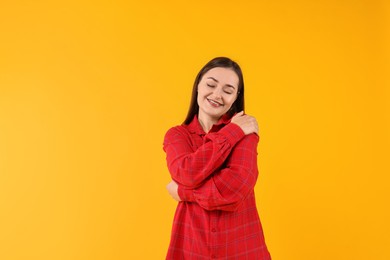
pixel 238 93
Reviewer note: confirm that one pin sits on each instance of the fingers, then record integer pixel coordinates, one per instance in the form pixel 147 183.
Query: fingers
pixel 247 123
pixel 241 113
pixel 253 127
pixel 172 188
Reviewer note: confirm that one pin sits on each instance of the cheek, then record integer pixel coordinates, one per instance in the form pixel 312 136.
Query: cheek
pixel 202 92
pixel 199 97
pixel 231 100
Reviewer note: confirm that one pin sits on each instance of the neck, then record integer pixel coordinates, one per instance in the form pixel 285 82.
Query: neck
pixel 207 122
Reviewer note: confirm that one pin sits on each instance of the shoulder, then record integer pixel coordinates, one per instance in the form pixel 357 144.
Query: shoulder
pixel 176 132
pixel 177 129
pixel 251 139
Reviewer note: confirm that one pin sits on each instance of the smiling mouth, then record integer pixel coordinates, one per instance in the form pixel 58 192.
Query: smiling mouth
pixel 214 103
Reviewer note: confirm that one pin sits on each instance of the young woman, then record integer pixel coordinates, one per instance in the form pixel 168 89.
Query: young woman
pixel 212 158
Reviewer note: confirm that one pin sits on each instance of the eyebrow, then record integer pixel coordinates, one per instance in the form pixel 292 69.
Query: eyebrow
pixel 228 85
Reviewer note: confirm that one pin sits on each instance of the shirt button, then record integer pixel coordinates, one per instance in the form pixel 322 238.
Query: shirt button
pixel 213 230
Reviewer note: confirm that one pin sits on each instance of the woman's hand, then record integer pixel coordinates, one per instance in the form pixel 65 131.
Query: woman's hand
pixel 172 190
pixel 247 123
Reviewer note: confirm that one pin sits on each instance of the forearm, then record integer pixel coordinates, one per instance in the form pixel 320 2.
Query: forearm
pixel 228 187
pixel 190 167
pixel 217 192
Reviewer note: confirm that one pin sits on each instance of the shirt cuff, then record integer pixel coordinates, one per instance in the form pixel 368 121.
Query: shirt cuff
pixel 185 194
pixel 233 133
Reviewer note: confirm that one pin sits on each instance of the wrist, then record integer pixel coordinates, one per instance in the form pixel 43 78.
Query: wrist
pixel 185 194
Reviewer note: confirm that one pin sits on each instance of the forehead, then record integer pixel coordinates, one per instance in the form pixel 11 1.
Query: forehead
pixel 223 76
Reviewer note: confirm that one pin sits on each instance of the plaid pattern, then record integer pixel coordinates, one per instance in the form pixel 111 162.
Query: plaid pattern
pixel 216 173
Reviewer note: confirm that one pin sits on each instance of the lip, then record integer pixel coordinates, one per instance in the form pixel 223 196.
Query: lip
pixel 214 103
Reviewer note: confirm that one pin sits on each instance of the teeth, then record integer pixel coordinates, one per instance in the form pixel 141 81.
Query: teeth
pixel 214 102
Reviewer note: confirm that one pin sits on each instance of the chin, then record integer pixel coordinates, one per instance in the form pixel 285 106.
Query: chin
pixel 216 115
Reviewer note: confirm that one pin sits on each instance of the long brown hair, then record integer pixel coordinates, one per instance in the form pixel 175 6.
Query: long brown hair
pixel 222 62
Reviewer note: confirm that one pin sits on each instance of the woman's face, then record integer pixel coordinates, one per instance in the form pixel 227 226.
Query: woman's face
pixel 217 92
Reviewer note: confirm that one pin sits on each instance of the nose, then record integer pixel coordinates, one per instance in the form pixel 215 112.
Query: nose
pixel 217 93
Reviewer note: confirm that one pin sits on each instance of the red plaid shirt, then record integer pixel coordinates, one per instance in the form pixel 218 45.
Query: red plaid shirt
pixel 216 172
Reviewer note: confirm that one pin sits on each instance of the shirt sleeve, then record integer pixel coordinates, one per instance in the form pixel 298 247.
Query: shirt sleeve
pixel 189 167
pixel 228 187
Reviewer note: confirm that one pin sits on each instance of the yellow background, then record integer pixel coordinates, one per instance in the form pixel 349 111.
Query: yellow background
pixel 88 89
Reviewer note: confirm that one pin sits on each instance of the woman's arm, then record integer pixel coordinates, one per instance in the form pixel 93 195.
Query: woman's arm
pixel 228 187
pixel 189 168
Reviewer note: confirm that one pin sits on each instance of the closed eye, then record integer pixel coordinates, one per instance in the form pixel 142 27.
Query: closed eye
pixel 228 90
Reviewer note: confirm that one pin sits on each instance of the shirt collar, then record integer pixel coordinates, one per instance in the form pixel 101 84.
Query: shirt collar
pixel 196 128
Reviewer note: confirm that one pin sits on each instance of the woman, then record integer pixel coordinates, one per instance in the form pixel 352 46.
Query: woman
pixel 212 158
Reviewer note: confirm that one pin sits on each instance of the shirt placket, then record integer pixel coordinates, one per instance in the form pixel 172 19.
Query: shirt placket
pixel 214 235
